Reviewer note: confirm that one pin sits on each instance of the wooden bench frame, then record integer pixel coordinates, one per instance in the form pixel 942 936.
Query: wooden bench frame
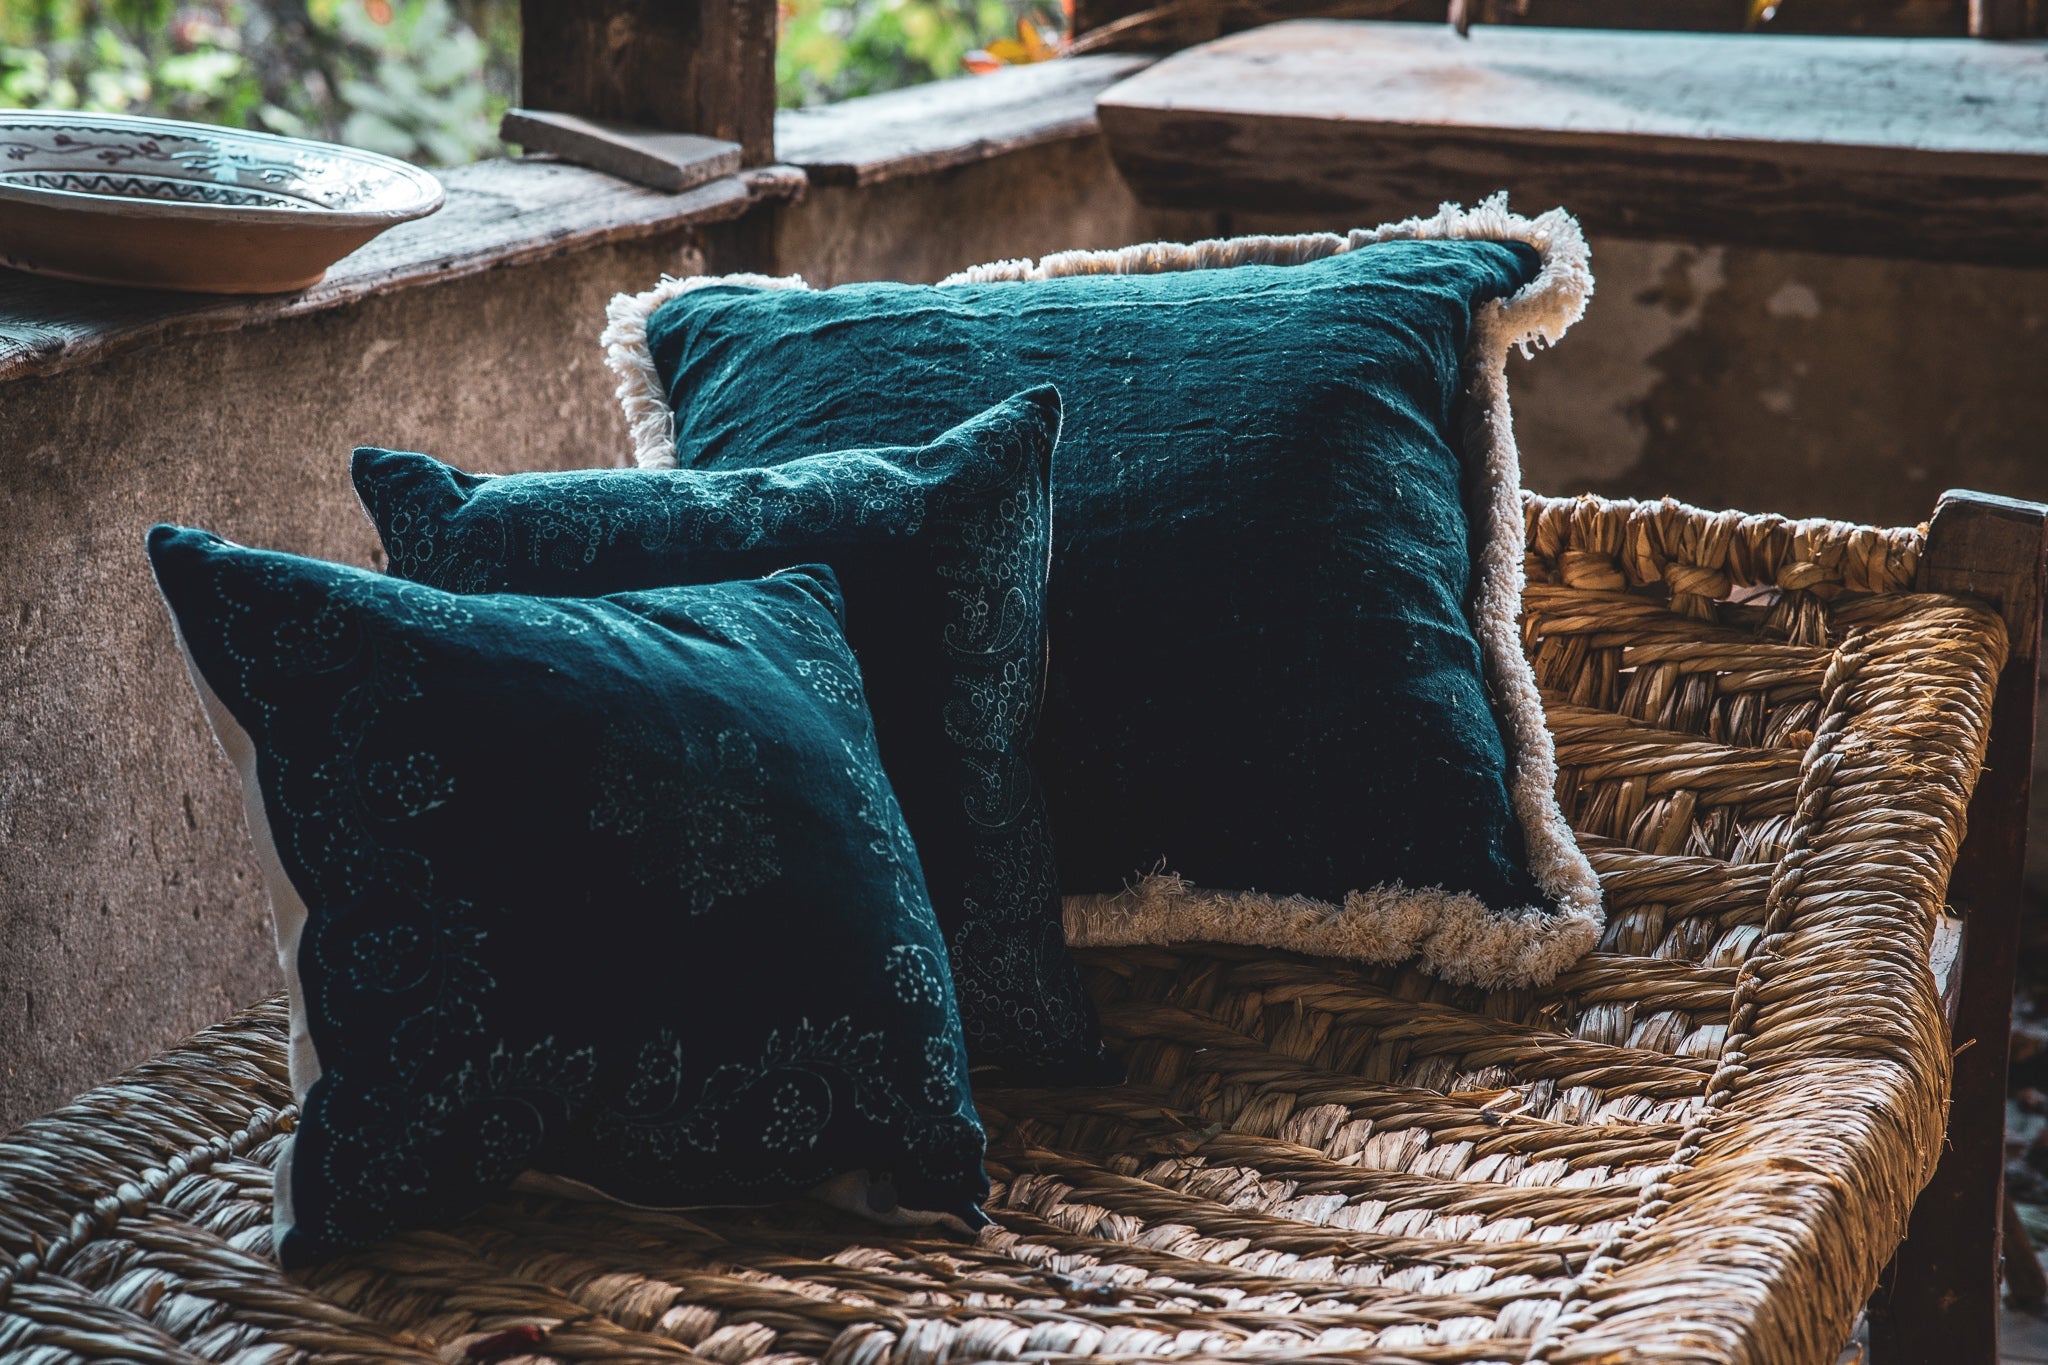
pixel 707 66
pixel 1939 1298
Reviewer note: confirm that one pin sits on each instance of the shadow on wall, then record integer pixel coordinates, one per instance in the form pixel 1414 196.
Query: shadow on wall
pixel 1799 383
pixel 1792 382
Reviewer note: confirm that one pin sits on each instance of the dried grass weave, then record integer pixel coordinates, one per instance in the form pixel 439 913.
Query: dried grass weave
pixel 1700 1143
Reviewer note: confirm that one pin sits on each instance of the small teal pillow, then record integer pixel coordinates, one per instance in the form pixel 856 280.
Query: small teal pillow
pixel 614 890
pixel 942 550
pixel 1287 702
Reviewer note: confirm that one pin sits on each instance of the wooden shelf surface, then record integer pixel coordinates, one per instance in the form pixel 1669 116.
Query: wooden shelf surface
pixel 1926 147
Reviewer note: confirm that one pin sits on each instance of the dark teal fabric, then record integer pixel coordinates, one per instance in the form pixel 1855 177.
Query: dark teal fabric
pixel 1263 671
pixel 942 550
pixel 615 889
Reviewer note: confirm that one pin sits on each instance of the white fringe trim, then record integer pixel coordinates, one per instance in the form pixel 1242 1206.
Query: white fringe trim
pixel 649 417
pixel 1454 933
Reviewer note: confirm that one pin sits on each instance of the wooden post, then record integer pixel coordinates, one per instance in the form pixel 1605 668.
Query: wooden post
pixel 1998 18
pixel 1167 25
pixel 1093 14
pixel 1939 1298
pixel 682 66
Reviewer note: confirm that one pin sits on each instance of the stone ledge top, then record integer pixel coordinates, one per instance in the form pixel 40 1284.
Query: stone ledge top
pixel 499 213
pixel 510 212
pixel 928 128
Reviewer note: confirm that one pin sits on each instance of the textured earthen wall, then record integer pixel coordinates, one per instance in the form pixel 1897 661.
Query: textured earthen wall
pixel 131 912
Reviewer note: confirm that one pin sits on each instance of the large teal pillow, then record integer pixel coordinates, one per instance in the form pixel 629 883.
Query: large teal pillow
pixel 613 890
pixel 1287 703
pixel 942 550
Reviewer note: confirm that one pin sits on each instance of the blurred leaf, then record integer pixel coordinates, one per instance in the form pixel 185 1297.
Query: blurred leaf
pixel 428 79
pixel 414 78
pixel 836 49
pixel 281 121
pixel 209 72
pixel 377 133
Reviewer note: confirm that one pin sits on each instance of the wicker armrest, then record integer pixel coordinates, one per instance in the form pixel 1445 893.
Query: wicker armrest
pixel 1700 1143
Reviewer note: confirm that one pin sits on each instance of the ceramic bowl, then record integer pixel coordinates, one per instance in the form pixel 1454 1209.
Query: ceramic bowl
pixel 165 205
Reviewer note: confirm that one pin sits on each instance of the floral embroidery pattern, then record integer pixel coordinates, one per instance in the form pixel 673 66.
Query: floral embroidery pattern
pixel 570 521
pixel 704 832
pixel 413 984
pixel 977 498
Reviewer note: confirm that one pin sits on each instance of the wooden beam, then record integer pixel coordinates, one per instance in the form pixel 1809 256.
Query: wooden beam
pixel 1923 147
pixel 1093 14
pixel 670 162
pixel 1168 25
pixel 2025 1284
pixel 1939 1298
pixel 1890 18
pixel 683 66
pixel 928 128
pixel 1998 18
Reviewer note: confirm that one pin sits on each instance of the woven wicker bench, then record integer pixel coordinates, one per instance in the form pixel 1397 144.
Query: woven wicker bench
pixel 1701 1143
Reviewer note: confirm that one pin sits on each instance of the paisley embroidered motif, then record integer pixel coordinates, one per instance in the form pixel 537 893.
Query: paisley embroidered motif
pixel 944 549
pixel 603 888
pixel 705 832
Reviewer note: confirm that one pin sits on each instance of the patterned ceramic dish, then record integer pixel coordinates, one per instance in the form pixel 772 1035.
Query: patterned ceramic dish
pixel 165 205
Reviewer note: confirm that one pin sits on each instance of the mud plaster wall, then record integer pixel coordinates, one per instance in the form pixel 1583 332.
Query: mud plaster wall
pixel 130 912
pixel 1804 384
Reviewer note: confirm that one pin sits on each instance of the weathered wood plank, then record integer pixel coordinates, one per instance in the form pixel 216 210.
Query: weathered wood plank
pixel 1998 18
pixel 687 66
pixel 669 162
pixel 1174 24
pixel 1919 147
pixel 498 213
pixel 948 123
pixel 1939 1298
pixel 1149 26
pixel 2025 1284
pixel 1868 18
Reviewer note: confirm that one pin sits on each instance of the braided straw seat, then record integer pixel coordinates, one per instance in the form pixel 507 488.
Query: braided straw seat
pixel 1700 1143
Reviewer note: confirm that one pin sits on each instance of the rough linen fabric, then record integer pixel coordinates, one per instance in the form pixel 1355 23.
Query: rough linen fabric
pixel 614 890
pixel 1286 704
pixel 942 550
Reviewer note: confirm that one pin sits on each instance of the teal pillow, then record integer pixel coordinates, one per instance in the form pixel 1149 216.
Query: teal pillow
pixel 613 890
pixel 1287 704
pixel 942 551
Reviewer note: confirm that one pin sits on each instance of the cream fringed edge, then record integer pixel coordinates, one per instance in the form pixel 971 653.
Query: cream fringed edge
pixel 1454 933
pixel 649 417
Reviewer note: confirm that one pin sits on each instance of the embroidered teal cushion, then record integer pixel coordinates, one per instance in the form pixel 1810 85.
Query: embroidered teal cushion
pixel 611 889
pixel 1287 704
pixel 942 549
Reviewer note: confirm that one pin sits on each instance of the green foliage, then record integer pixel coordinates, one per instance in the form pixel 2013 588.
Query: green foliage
pixel 424 79
pixel 421 95
pixel 421 79
pixel 836 49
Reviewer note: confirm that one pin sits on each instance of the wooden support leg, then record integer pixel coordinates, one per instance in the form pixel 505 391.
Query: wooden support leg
pixel 692 66
pixel 2026 1286
pixel 1938 1301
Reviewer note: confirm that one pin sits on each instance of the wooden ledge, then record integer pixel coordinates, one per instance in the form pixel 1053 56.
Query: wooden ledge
pixel 498 213
pixel 948 123
pixel 1926 147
